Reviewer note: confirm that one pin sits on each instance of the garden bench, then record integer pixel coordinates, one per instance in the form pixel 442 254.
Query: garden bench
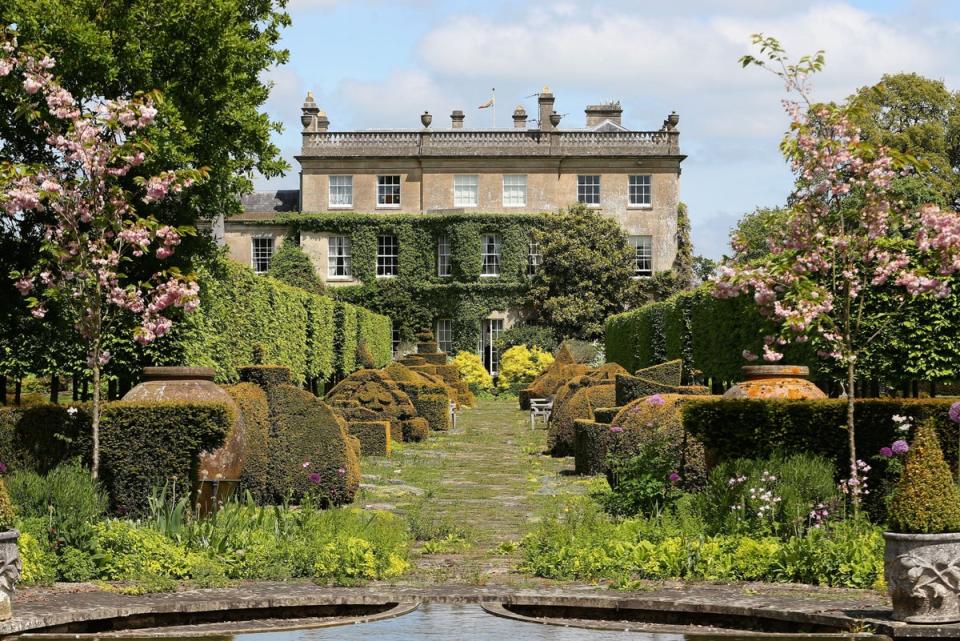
pixel 540 407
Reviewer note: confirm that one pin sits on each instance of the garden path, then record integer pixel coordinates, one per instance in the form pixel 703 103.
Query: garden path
pixel 471 494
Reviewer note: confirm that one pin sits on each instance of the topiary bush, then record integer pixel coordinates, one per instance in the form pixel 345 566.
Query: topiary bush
pixel 143 445
pixel 292 266
pixel 435 408
pixel 309 448
pixel 549 382
pixel 580 405
pixel 519 365
pixel 631 388
pixel 652 427
pixel 669 373
pixel 415 429
pixel 927 500
pixel 590 442
pixel 252 401
pixel 376 391
pixel 374 437
pixel 265 376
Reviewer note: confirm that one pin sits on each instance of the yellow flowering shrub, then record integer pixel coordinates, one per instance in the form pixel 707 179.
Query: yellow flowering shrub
pixel 472 371
pixel 519 365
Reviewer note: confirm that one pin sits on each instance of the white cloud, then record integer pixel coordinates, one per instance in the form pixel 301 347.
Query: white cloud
pixel 396 101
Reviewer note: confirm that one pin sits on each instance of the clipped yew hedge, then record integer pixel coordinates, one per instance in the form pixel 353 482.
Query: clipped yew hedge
pixel 707 334
pixel 733 428
pixel 255 477
pixel 374 437
pixel 312 335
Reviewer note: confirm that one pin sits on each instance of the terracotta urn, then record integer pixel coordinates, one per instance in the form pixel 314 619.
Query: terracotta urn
pixel 922 572
pixel 788 382
pixel 218 472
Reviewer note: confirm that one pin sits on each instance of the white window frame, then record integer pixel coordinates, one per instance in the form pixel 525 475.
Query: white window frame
pixel 388 187
pixel 515 190
pixel 337 187
pixel 444 263
pixel 490 267
pixel 388 256
pixel 588 189
pixel 640 191
pixel 257 256
pixel 642 255
pixel 339 258
pixel 395 342
pixel 443 329
pixel 534 257
pixel 466 190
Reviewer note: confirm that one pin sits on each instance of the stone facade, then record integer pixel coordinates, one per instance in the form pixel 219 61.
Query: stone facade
pixel 532 167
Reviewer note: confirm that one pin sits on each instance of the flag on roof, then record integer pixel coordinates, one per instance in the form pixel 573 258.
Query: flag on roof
pixel 488 103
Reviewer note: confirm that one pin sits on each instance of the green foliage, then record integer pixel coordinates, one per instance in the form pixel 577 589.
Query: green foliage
pixel 472 372
pixel 754 231
pixel 305 430
pixel 529 335
pixel 435 408
pixel 927 500
pixel 39 559
pixel 519 365
pixel 586 274
pixel 67 499
pixel 735 499
pixel 292 266
pixel 40 437
pixel 582 543
pixel 375 333
pixel 374 437
pixel 641 483
pixel 763 427
pixel 7 514
pixel 126 551
pixel 578 404
pixel 252 401
pixel 590 442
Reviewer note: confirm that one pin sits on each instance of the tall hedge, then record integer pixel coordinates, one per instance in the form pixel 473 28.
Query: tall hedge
pixel 296 328
pixel 252 401
pixel 707 333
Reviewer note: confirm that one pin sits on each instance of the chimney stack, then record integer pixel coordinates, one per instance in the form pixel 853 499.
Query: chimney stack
pixel 545 102
pixel 596 114
pixel 309 113
pixel 456 119
pixel 520 117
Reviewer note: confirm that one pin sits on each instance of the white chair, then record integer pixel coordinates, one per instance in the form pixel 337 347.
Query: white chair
pixel 453 415
pixel 540 407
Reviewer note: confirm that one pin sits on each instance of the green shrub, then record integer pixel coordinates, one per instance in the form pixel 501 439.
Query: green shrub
pixel 67 499
pixel 374 437
pixel 735 499
pixel 38 557
pixel 76 565
pixel 127 551
pixel 144 444
pixel 346 338
pixel 529 335
pixel 304 429
pixel 374 390
pixel 375 332
pixel 669 373
pixel 7 514
pixel 590 442
pixel 567 410
pixel 415 429
pixel 291 265
pixel 435 408
pixel 252 401
pixel 927 500
pixel 631 388
pixel 40 437
pixel 728 428
pixel 265 375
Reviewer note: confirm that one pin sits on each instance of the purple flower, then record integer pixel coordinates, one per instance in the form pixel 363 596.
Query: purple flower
pixel 341 471
pixel 616 429
pixel 656 399
pixel 314 478
pixel 900 447
pixel 955 412
pixel 674 477
pixel 886 452
pixel 3 467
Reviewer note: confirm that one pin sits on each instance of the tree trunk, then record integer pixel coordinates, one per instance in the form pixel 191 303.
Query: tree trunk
pixel 54 389
pixel 851 436
pixel 86 389
pixel 75 379
pixel 17 391
pixel 933 389
pixel 95 468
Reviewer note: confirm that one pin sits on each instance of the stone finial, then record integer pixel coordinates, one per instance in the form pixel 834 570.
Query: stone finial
pixel 426 119
pixel 671 121
pixel 309 113
pixel 520 117
pixel 456 119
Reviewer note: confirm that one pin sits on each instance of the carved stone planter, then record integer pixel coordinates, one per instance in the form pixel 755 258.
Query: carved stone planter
pixel 923 576
pixel 10 566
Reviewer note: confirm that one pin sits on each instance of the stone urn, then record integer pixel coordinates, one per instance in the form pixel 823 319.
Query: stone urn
pixel 555 118
pixel 218 472
pixel 787 382
pixel 426 119
pixel 10 566
pixel 922 572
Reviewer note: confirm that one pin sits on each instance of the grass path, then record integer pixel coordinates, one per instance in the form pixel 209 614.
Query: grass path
pixel 471 493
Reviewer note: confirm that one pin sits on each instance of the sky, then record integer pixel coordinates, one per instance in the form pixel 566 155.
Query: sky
pixel 381 63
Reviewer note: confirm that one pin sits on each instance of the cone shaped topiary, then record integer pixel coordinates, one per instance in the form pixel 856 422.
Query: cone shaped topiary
pixel 926 500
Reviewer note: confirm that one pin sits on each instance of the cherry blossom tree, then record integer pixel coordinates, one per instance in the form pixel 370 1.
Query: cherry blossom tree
pixel 844 235
pixel 85 199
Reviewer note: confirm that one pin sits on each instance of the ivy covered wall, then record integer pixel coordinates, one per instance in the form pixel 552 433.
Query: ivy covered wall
pixel 417 296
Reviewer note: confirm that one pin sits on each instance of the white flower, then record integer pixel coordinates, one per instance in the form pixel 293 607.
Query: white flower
pixel 72 411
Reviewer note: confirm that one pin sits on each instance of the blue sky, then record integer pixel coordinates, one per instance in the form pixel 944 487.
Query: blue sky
pixel 380 63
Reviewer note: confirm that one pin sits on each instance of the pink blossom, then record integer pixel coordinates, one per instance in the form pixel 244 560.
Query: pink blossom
pixel 38 312
pixel 24 286
pixel 656 399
